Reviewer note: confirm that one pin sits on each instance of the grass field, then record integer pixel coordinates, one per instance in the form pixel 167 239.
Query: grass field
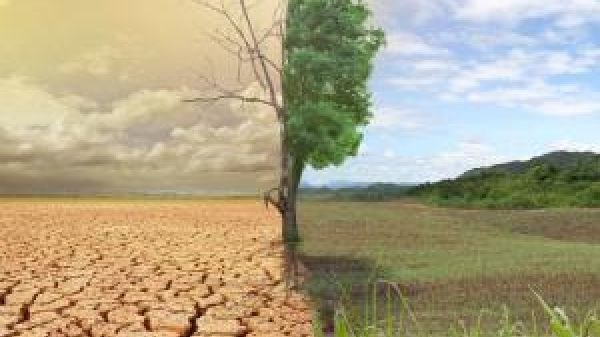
pixel 451 264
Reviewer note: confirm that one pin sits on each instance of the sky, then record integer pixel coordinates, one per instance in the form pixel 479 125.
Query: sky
pixel 91 95
pixel 91 101
pixel 469 83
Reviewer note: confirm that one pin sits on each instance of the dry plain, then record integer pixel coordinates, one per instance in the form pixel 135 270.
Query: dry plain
pixel 105 268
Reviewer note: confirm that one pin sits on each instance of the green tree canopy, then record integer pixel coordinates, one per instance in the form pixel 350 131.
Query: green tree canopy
pixel 329 48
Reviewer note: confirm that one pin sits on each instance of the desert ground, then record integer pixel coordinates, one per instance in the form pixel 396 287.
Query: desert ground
pixel 106 268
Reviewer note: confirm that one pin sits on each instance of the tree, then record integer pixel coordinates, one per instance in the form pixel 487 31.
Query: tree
pixel 318 88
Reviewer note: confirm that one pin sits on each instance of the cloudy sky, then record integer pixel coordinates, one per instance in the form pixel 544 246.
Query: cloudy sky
pixel 91 95
pixel 91 101
pixel 465 83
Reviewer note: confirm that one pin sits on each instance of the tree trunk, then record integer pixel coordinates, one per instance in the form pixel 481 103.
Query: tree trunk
pixel 290 218
pixel 286 200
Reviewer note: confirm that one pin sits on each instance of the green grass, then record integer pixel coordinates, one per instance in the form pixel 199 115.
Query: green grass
pixel 400 321
pixel 452 264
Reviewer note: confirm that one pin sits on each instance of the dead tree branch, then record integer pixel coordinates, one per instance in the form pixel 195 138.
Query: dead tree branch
pixel 261 57
pixel 250 49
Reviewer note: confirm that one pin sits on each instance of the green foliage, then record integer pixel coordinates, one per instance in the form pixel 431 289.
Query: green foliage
pixel 547 181
pixel 374 192
pixel 329 52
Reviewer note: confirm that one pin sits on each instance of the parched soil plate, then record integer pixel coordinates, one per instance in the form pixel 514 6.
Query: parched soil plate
pixel 144 269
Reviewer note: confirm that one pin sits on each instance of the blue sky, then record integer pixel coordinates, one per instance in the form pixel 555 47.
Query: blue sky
pixel 468 83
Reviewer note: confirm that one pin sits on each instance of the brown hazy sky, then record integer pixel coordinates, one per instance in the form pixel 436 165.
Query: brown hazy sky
pixel 90 101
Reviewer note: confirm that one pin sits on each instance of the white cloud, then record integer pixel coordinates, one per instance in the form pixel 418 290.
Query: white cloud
pixel 516 78
pixel 399 118
pixel 569 107
pixel 25 104
pixel 484 38
pixel 533 94
pixel 394 12
pixel 388 166
pixel 389 153
pixel 553 100
pixel 570 145
pixel 433 65
pixel 363 150
pixel 416 83
pixel 569 12
pixel 520 66
pixel 407 44
pixel 425 74
pixel 467 155
pixel 483 10
pixel 97 62
pixel 148 141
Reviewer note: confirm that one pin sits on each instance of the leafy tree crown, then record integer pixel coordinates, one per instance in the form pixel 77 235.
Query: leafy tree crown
pixel 329 48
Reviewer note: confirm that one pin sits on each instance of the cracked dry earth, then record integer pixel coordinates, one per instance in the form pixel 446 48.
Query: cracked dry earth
pixel 144 269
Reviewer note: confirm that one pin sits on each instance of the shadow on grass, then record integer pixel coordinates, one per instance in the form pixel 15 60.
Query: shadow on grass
pixel 336 280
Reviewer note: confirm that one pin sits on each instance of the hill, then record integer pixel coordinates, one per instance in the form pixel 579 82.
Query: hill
pixel 356 191
pixel 556 179
pixel 559 159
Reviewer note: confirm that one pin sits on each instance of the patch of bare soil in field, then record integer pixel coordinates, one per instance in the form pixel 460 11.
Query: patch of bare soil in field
pixel 142 269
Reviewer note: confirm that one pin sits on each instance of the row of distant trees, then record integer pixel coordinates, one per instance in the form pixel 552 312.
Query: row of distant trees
pixel 374 192
pixel 537 186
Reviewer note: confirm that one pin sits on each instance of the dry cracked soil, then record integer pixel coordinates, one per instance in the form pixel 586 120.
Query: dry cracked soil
pixel 144 269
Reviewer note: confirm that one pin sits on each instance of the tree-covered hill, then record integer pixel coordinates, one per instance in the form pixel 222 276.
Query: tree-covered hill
pixel 357 192
pixel 557 179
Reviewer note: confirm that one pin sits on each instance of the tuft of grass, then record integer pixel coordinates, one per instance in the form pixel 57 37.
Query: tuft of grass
pixel 395 324
pixel 561 325
pixel 391 318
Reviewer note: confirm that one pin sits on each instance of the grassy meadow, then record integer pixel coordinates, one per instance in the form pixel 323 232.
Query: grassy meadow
pixel 452 264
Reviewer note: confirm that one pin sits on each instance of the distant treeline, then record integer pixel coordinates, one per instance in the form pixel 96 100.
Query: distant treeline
pixel 374 192
pixel 558 179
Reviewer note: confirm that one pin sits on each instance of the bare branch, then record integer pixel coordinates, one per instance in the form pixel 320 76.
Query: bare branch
pixel 246 47
pixel 277 22
pixel 227 94
pixel 273 65
pixel 282 26
pixel 227 42
pixel 243 41
pixel 245 99
pixel 261 59
pixel 270 32
pixel 240 53
pixel 240 32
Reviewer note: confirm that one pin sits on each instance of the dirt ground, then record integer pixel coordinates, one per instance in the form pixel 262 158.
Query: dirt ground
pixel 144 268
